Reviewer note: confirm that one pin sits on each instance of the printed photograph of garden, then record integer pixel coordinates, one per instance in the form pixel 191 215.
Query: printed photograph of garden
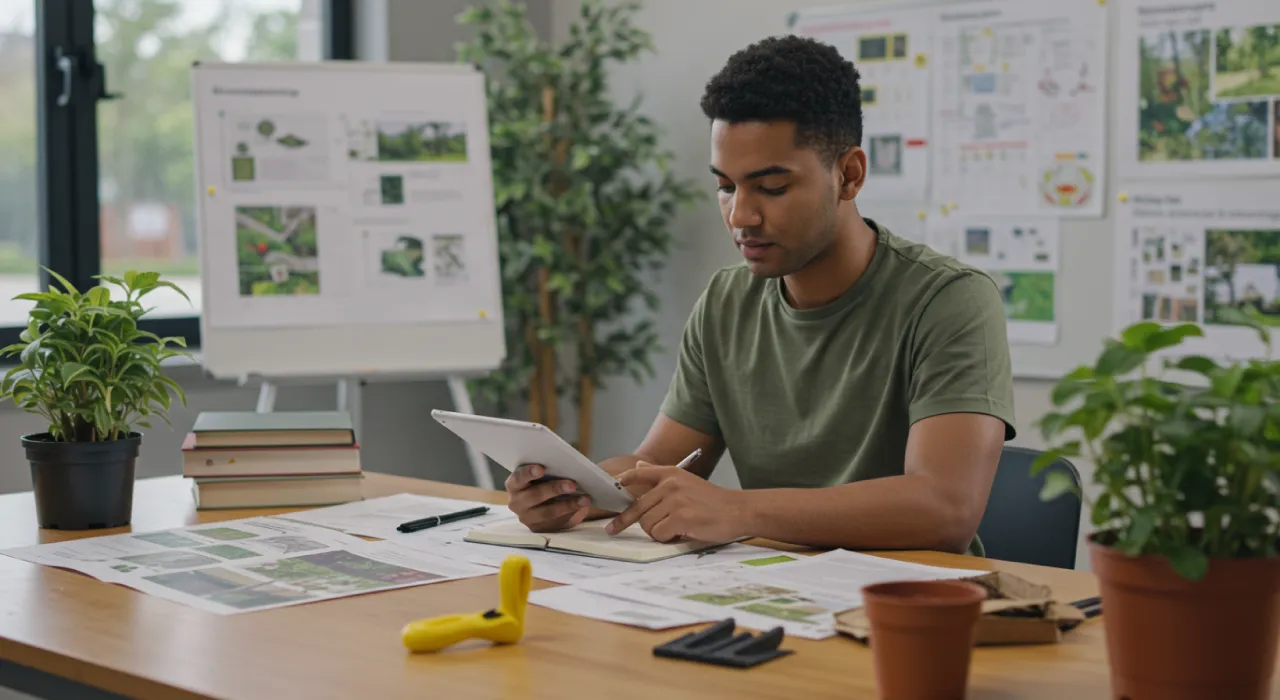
pixel 422 141
pixel 1247 61
pixel 1177 120
pixel 1242 269
pixel 276 251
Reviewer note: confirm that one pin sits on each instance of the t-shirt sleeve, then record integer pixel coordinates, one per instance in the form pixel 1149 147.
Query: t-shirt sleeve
pixel 960 358
pixel 688 399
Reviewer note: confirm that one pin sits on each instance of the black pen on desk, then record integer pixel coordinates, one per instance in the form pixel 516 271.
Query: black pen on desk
pixel 434 520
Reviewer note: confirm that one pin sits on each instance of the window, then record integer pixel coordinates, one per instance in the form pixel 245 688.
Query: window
pixel 19 225
pixel 112 126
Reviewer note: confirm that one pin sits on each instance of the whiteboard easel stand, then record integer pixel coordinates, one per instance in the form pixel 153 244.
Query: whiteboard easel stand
pixel 349 399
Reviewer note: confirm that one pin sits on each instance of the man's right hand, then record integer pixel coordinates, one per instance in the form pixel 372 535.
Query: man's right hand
pixel 545 506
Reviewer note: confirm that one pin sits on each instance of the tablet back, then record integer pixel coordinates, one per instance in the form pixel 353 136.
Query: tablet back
pixel 513 443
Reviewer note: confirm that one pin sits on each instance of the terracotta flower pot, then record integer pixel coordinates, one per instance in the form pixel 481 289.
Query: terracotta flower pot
pixel 1175 639
pixel 922 635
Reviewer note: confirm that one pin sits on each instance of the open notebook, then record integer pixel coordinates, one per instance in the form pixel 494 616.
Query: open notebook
pixel 588 539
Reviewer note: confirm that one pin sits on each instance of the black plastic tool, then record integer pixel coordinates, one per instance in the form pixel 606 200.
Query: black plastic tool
pixel 718 645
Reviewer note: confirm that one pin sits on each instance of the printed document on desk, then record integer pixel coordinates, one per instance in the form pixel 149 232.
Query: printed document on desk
pixel 379 517
pixel 245 565
pixel 800 594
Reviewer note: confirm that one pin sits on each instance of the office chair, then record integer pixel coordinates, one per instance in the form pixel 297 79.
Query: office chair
pixel 1020 527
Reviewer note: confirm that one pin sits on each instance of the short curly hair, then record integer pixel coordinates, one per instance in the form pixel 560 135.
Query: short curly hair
pixel 791 78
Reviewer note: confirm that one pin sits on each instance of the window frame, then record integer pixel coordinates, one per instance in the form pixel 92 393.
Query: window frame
pixel 68 212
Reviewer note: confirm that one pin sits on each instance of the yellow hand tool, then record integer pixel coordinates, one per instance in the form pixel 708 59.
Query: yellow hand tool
pixel 503 625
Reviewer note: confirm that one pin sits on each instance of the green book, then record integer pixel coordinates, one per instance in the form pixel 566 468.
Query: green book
pixel 273 429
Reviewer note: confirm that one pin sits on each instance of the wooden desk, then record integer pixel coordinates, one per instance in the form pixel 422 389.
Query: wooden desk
pixel 114 638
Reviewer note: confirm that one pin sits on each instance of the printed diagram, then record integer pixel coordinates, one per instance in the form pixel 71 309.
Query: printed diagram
pixel 338 572
pixel 228 551
pixel 268 149
pixel 391 188
pixel 177 559
pixel 425 141
pixel 404 258
pixel 1177 120
pixel 230 587
pixel 167 539
pixel 290 544
pixel 226 534
pixel 448 257
pixel 1168 275
pixel 885 155
pixel 1067 184
pixel 277 251
pixel 745 595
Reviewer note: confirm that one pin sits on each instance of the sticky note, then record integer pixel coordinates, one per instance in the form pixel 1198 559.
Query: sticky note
pixel 1123 197
pixel 483 314
pixel 921 60
pixel 211 190
pixel 921 215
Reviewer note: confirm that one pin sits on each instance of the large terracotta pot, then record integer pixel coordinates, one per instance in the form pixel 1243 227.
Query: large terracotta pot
pixel 1174 639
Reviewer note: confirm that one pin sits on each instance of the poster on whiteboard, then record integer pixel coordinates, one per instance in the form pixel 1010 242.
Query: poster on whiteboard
pixel 1188 251
pixel 1021 254
pixel 1201 89
pixel 890 51
pixel 1019 107
pixel 334 196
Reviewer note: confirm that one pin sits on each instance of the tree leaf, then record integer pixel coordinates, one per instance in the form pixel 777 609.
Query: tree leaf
pixel 1198 364
pixel 1066 390
pixel 1169 337
pixel 1118 359
pixel 1101 513
pixel 70 370
pixel 1246 419
pixel 1057 483
pixel 1135 336
pixel 1142 524
pixel 1191 563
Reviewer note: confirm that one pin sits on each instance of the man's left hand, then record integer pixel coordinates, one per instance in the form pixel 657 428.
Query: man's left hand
pixel 675 503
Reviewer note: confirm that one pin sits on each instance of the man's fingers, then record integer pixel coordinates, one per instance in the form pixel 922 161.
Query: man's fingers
pixel 523 475
pixel 666 529
pixel 536 495
pixel 654 516
pixel 633 513
pixel 644 477
pixel 555 515
pixel 577 518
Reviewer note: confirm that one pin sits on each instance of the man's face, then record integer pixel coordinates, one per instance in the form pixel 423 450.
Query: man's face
pixel 778 200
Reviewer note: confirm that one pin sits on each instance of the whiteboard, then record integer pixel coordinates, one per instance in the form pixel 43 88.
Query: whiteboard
pixel 346 220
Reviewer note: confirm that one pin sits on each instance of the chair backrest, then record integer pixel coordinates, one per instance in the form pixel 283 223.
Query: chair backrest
pixel 1020 527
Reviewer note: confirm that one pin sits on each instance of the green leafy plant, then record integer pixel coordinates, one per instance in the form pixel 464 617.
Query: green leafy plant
pixel 86 367
pixel 1189 471
pixel 584 198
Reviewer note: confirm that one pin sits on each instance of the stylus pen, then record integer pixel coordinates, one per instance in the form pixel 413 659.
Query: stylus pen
pixel 434 520
pixel 689 460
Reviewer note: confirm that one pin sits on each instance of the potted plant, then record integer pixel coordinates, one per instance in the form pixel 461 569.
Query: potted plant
pixel 585 199
pixel 1186 511
pixel 94 376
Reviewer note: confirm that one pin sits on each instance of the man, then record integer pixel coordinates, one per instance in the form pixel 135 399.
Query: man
pixel 861 382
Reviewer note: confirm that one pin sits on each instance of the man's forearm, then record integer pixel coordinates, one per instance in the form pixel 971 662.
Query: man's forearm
pixel 898 512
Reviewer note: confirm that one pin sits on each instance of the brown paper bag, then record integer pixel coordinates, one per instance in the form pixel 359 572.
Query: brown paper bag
pixel 1017 611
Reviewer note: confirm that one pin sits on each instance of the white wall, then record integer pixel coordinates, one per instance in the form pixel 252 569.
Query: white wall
pixel 671 80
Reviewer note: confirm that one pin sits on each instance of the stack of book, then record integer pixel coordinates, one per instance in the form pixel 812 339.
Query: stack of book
pixel 245 459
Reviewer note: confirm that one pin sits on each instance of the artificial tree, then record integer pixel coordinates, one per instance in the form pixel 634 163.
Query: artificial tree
pixel 1188 508
pixel 585 199
pixel 95 377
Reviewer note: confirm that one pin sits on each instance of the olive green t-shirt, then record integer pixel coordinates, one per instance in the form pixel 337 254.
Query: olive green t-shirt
pixel 826 396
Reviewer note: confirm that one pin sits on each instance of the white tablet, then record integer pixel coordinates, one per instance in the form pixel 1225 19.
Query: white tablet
pixel 514 443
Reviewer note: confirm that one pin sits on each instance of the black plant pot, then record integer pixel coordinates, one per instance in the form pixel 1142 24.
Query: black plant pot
pixel 82 485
